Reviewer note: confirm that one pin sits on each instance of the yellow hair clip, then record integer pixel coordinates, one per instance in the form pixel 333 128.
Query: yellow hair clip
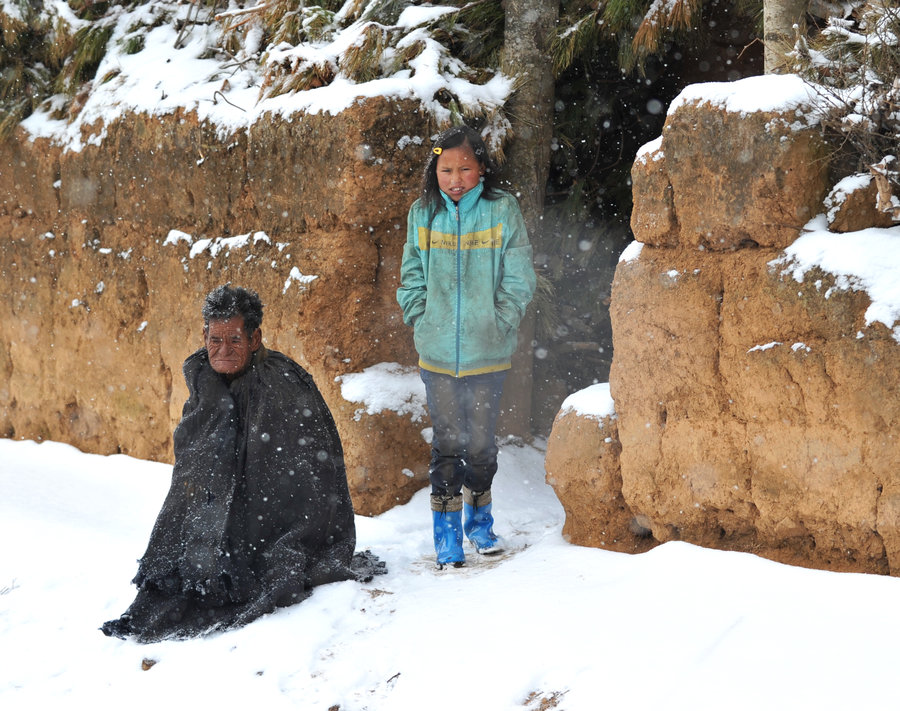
pixel 437 151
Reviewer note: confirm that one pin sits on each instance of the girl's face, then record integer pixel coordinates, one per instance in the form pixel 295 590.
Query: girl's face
pixel 458 171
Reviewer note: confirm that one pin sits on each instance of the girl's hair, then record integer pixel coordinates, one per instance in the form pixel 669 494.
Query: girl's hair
pixel 453 138
pixel 226 301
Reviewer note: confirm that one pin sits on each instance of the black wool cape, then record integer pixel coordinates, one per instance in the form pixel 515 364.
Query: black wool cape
pixel 258 511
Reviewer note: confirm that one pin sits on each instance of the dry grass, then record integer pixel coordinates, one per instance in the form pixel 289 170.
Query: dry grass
pixel 541 701
pixel 361 62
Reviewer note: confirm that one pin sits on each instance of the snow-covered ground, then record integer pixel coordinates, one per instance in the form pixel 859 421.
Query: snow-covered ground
pixel 676 628
pixel 679 627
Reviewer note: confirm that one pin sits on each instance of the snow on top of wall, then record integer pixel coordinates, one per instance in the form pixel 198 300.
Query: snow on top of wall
pixel 594 402
pixel 768 93
pixel 867 260
pixel 771 92
pixel 844 188
pixel 631 252
pixel 650 151
pixel 386 386
pixel 161 79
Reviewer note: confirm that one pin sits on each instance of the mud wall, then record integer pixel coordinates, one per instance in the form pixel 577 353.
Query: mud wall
pixel 753 412
pixel 107 253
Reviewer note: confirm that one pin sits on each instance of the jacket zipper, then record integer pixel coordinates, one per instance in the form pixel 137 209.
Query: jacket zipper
pixel 458 285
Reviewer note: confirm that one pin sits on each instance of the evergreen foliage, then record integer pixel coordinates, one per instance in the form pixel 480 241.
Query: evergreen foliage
pixel 640 29
pixel 42 55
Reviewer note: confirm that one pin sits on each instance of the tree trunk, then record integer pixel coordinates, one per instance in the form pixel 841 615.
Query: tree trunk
pixel 779 18
pixel 526 55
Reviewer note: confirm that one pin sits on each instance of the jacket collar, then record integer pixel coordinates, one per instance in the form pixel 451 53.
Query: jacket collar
pixel 467 201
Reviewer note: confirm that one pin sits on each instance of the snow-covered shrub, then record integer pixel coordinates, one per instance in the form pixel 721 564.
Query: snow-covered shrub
pixel 854 63
pixel 50 50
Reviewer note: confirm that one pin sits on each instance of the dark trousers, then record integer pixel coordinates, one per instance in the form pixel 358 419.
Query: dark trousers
pixel 464 419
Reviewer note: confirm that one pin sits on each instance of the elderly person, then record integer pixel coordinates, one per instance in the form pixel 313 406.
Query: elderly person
pixel 258 512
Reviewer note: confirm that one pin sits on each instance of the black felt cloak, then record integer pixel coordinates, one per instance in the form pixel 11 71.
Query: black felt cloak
pixel 258 512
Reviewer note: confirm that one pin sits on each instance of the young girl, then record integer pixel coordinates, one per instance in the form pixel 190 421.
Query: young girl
pixel 466 278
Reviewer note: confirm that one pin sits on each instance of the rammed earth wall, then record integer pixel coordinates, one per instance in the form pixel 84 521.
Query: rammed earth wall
pixel 753 412
pixel 101 299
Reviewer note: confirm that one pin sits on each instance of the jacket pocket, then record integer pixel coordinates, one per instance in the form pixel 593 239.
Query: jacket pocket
pixel 434 337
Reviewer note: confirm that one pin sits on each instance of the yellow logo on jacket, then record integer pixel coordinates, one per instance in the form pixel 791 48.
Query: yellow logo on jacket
pixel 491 238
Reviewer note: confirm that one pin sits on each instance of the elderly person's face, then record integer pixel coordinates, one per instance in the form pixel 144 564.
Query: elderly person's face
pixel 229 347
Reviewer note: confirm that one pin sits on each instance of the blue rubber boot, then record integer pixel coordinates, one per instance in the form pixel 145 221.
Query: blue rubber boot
pixel 479 526
pixel 446 514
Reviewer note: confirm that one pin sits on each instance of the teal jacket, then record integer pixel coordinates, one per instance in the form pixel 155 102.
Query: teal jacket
pixel 466 279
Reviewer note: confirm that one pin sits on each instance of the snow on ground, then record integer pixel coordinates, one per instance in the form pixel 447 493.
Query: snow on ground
pixel 678 627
